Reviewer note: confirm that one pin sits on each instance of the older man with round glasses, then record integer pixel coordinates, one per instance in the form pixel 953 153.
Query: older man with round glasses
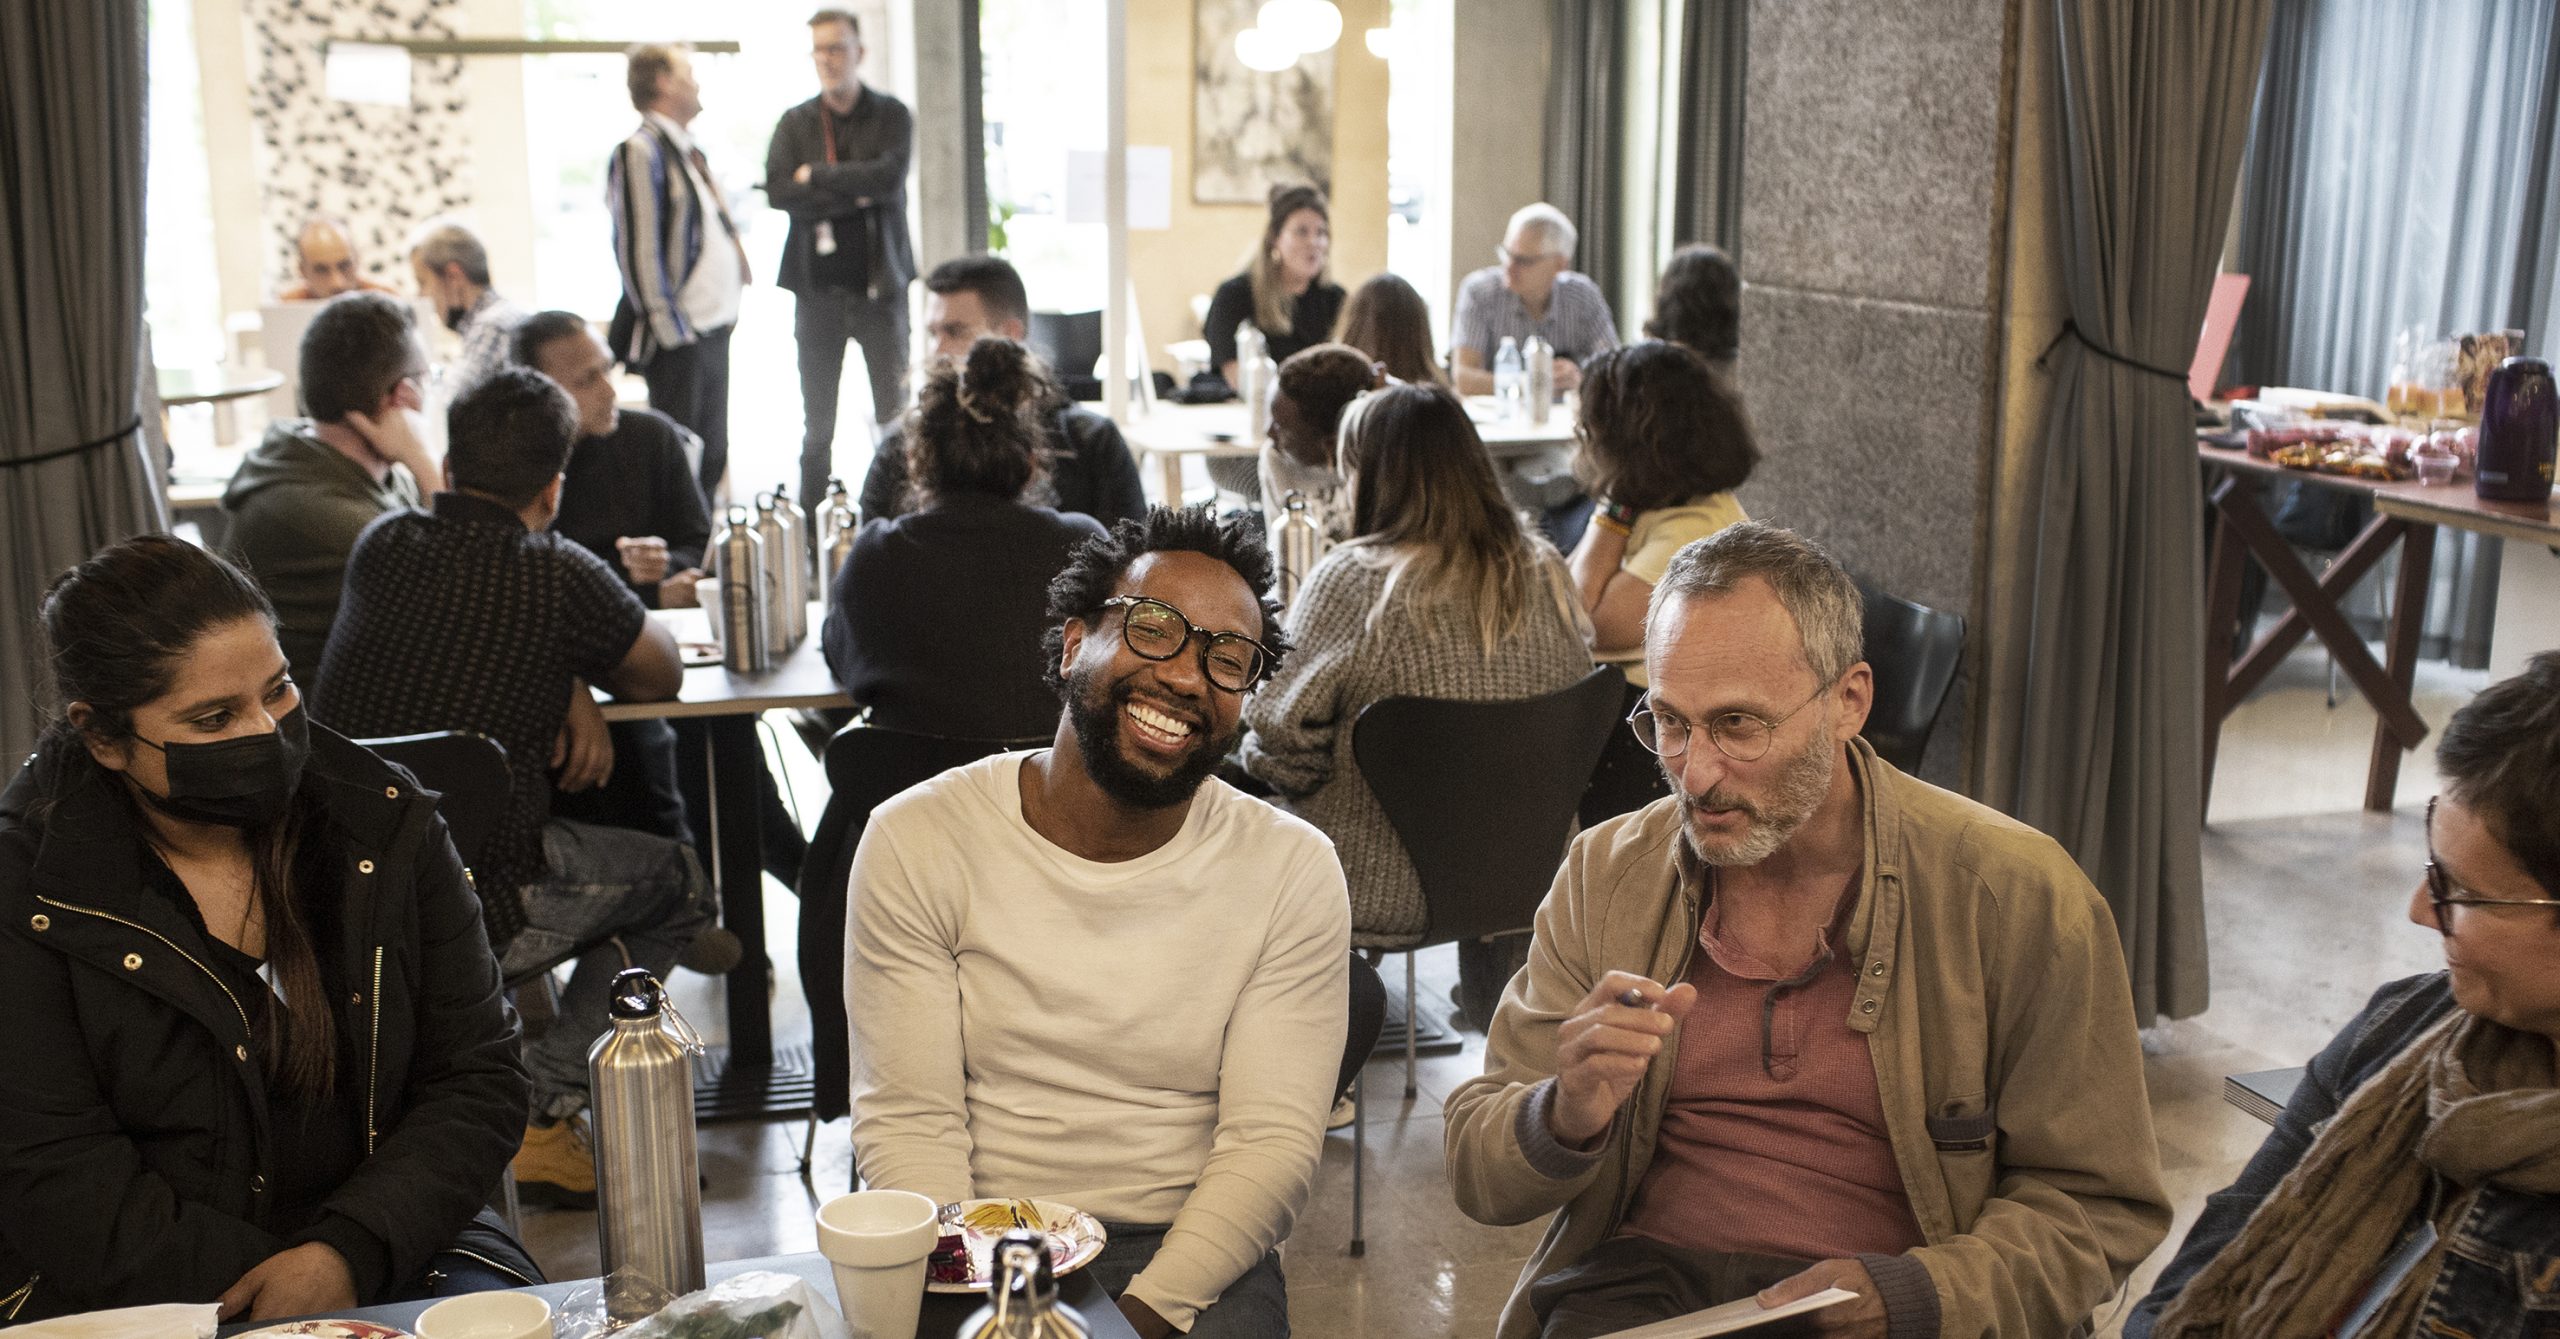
pixel 1530 289
pixel 2412 1185
pixel 1808 1022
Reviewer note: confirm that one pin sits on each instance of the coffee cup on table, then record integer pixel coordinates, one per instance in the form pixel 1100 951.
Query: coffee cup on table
pixel 490 1315
pixel 877 1240
pixel 706 593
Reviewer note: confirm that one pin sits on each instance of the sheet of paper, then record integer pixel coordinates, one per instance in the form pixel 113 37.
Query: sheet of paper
pixel 1150 187
pixel 368 72
pixel 2221 316
pixel 1734 1317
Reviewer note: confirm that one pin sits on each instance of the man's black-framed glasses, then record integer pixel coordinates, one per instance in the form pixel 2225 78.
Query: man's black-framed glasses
pixel 1157 631
pixel 1738 735
pixel 2444 893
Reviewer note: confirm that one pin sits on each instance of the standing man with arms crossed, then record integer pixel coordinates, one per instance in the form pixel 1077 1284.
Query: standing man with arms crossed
pixel 838 166
pixel 683 267
pixel 1808 1022
pixel 1096 974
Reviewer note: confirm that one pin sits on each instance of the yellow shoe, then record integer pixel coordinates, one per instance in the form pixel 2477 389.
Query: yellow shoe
pixel 556 1167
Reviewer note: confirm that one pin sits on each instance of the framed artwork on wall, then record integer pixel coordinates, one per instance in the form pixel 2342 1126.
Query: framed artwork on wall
pixel 1251 131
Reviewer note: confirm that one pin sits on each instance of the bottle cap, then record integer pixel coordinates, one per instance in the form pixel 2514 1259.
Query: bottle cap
pixel 637 994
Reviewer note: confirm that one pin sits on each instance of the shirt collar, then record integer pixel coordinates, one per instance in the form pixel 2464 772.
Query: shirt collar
pixel 666 126
pixel 465 507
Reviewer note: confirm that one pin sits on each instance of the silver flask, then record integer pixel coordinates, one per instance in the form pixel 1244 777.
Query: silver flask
pixel 1022 1295
pixel 793 593
pixel 836 527
pixel 648 1200
pixel 1299 542
pixel 1541 370
pixel 739 554
pixel 774 549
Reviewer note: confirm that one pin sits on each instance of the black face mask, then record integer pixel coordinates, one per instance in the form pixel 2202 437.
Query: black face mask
pixel 237 783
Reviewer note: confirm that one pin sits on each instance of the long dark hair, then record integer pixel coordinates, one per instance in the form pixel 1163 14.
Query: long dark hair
pixel 117 629
pixel 1659 428
pixel 1387 320
pixel 976 425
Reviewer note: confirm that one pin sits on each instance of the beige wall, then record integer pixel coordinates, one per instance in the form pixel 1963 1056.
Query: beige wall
pixel 1208 243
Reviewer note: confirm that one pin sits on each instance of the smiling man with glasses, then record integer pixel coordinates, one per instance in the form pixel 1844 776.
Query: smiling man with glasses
pixel 2413 1182
pixel 1808 1022
pixel 1530 289
pixel 1094 974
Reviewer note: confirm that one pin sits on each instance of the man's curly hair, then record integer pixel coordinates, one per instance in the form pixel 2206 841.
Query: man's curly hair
pixel 1094 570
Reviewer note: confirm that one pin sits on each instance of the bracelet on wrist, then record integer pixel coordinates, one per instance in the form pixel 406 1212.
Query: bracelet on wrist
pixel 1612 524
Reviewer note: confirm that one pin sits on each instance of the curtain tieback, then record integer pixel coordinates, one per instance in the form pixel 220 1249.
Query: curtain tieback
pixel 91 445
pixel 2071 330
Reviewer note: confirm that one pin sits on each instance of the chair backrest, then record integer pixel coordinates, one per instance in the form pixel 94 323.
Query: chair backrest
pixel 1368 1020
pixel 1069 342
pixel 1483 794
pixel 1914 651
pixel 468 772
pixel 866 766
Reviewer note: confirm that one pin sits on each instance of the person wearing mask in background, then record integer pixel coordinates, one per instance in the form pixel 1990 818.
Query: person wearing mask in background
pixel 452 268
pixel 1532 291
pixel 975 541
pixel 1697 303
pixel 1283 289
pixel 837 164
pixel 303 494
pixel 1390 322
pixel 1437 592
pixel 1090 470
pixel 684 269
pixel 1316 384
pixel 2412 1185
pixel 325 265
pixel 260 1054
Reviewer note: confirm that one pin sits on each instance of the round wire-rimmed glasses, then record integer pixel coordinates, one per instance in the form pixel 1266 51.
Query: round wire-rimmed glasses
pixel 1738 735
pixel 2443 892
pixel 1154 630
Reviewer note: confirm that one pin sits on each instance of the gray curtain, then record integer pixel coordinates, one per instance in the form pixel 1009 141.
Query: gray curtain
pixel 73 471
pixel 1708 202
pixel 2399 175
pixel 1584 113
pixel 2150 114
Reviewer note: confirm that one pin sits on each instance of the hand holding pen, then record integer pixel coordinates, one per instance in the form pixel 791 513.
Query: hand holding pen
pixel 1603 1050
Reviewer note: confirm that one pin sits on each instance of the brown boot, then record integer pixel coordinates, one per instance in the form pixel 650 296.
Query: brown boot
pixel 556 1167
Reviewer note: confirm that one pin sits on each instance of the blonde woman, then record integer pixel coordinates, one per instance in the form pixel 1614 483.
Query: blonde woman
pixel 1441 591
pixel 1283 290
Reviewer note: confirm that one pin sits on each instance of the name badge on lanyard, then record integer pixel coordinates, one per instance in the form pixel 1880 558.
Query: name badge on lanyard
pixel 824 235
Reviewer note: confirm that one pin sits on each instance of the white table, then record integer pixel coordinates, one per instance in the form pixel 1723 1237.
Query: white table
pixel 1526 454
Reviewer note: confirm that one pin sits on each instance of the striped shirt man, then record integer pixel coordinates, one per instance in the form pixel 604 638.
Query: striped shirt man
pixel 1577 323
pixel 682 265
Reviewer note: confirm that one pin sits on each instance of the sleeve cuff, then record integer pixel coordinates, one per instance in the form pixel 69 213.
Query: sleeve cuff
pixel 1546 1155
pixel 1910 1299
pixel 368 1259
pixel 1180 1317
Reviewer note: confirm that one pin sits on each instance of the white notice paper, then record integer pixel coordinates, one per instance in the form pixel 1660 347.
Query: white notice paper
pixel 368 72
pixel 1734 1317
pixel 1150 187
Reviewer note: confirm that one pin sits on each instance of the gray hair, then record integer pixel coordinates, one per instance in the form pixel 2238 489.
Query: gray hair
pixel 444 242
pixel 1811 585
pixel 1548 222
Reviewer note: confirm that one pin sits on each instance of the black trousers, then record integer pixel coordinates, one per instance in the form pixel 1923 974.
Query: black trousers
pixel 691 386
pixel 823 320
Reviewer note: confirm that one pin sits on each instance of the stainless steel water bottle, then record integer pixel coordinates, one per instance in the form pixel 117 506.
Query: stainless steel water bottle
pixel 739 553
pixel 1022 1294
pixel 648 1200
pixel 836 527
pixel 1541 373
pixel 1299 543
pixel 777 576
pixel 793 594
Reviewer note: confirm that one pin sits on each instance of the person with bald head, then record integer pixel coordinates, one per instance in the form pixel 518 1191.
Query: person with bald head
pixel 324 255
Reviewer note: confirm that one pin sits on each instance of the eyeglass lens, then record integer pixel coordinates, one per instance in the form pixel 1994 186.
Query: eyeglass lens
pixel 1157 631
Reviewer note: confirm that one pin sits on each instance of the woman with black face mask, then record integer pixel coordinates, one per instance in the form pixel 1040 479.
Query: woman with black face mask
pixel 259 1051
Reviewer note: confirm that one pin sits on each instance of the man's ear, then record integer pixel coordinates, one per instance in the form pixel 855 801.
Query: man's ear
pixel 1071 640
pixel 1015 329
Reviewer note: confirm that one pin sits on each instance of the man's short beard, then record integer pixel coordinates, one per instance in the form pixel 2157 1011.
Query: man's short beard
pixel 1097 727
pixel 1798 791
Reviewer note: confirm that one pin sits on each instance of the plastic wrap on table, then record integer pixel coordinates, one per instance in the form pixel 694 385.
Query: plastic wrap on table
pixel 759 1304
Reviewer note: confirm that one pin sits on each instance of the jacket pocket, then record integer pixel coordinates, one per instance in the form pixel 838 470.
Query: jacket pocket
pixel 1963 1124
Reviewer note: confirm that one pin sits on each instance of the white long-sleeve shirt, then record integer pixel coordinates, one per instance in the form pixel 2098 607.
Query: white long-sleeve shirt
pixel 1152 1041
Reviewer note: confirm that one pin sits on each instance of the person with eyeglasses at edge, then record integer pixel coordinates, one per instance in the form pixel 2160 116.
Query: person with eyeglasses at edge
pixel 312 484
pixel 2410 1185
pixel 1096 974
pixel 1808 1022
pixel 1531 289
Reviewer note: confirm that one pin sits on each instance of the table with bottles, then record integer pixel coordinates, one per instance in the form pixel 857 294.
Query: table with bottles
pixel 1533 458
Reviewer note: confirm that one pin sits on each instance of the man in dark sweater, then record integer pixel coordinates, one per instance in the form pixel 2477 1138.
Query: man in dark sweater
pixel 1090 468
pixel 837 165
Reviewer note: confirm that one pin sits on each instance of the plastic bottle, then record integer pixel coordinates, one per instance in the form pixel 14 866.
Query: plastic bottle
pixel 1510 377
pixel 648 1195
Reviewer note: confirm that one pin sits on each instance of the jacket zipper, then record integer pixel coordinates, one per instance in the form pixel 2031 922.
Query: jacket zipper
pixel 373 1055
pixel 17 1301
pixel 475 1255
pixel 209 975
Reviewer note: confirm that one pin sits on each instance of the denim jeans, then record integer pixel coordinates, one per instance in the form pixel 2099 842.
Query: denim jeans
pixel 635 900
pixel 1255 1306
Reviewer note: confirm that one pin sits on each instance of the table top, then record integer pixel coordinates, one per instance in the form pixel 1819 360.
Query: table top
pixel 801 680
pixel 944 1313
pixel 206 385
pixel 1221 430
pixel 2263 1094
pixel 2454 504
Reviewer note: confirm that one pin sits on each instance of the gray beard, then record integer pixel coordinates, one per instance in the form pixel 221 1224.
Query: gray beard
pixel 1798 792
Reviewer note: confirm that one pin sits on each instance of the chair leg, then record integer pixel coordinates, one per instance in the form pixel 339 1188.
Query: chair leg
pixel 809 1146
pixel 1359 1157
pixel 1412 1025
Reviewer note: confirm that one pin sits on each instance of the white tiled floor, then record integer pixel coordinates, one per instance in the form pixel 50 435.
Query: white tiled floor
pixel 2305 896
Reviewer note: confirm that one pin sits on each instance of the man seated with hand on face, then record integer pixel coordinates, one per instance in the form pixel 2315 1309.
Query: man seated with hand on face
pixel 1808 1022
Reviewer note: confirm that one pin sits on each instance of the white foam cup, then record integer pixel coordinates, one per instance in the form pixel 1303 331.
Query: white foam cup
pixel 878 1240
pixel 493 1315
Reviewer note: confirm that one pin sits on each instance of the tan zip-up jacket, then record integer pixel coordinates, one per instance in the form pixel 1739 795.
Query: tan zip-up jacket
pixel 1994 1000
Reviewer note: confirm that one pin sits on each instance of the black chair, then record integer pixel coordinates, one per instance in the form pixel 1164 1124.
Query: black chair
pixel 1368 1019
pixel 866 766
pixel 1628 777
pixel 467 771
pixel 1914 651
pixel 1070 343
pixel 1483 795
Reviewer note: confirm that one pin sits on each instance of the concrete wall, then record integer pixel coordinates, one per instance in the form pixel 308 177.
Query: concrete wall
pixel 1871 246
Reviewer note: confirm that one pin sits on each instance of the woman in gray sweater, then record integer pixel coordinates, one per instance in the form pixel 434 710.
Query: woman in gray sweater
pixel 1442 591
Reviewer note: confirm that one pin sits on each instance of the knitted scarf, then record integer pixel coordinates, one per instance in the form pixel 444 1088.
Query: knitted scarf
pixel 2469 1100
